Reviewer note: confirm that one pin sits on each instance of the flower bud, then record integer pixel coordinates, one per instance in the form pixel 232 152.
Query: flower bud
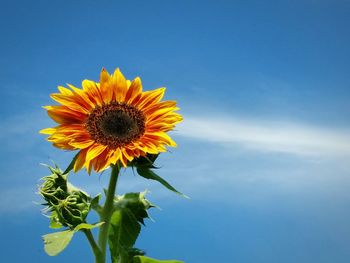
pixel 68 204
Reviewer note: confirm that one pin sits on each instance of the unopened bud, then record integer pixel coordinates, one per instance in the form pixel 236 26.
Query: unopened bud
pixel 69 204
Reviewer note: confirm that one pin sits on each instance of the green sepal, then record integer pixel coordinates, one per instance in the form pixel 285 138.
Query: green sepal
pixel 72 188
pixel 54 170
pixel 143 259
pixel 55 243
pixel 145 161
pixel 71 165
pixel 105 191
pixel 95 204
pixel 55 221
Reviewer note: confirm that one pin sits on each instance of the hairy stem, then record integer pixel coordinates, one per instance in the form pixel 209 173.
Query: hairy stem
pixel 106 213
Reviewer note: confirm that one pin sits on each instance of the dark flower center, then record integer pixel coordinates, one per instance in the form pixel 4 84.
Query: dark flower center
pixel 115 124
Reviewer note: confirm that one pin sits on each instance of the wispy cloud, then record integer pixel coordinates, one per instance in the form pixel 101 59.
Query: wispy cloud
pixel 255 135
pixel 21 132
pixel 19 199
pixel 281 137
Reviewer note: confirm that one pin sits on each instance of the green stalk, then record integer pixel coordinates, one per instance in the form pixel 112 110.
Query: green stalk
pixel 93 245
pixel 106 213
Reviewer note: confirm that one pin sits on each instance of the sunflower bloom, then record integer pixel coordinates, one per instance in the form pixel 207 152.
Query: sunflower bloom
pixel 111 121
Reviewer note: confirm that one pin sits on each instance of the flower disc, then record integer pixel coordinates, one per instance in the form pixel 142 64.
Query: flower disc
pixel 111 121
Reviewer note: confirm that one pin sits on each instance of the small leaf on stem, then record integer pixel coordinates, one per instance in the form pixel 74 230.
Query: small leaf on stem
pixel 143 259
pixel 57 242
pixel 149 174
pixel 87 226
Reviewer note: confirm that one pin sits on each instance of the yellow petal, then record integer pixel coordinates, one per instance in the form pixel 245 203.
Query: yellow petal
pixel 159 106
pixel 65 91
pixel 124 160
pixel 69 102
pixel 82 144
pixel 104 77
pixel 150 98
pixel 119 85
pixel 88 166
pixel 134 90
pixel 159 115
pixel 64 115
pixel 115 156
pixel 82 97
pixel 127 155
pixel 80 161
pixel 105 86
pixel 94 151
pixel 101 162
pixel 161 137
pixel 90 87
pixel 48 131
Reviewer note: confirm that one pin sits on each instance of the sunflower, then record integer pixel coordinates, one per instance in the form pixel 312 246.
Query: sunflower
pixel 111 121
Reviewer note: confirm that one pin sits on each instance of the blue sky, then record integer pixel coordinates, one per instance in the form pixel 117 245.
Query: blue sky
pixel 263 151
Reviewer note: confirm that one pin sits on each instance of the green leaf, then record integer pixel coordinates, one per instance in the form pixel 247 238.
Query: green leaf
pixel 144 164
pixel 130 210
pixel 55 243
pixel 143 259
pixel 87 226
pixel 149 174
pixel 136 202
pixel 124 232
pixel 71 165
pixel 94 203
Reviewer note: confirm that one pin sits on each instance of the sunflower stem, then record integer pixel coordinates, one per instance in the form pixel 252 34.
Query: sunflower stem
pixel 107 212
pixel 94 246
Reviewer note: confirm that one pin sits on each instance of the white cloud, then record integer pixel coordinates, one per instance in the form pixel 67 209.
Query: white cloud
pixel 197 176
pixel 18 200
pixel 21 132
pixel 268 136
